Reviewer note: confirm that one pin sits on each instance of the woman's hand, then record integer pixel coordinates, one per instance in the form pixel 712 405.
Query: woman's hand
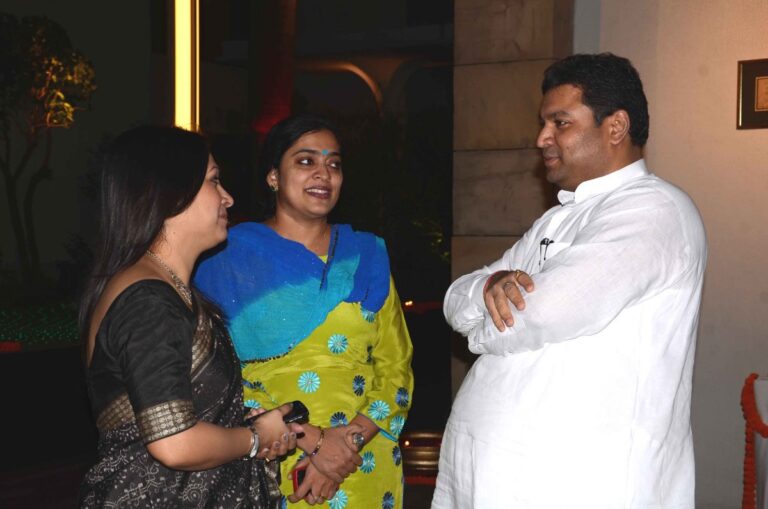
pixel 335 459
pixel 275 437
pixel 316 488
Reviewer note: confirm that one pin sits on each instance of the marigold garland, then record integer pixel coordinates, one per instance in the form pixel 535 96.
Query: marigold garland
pixel 753 424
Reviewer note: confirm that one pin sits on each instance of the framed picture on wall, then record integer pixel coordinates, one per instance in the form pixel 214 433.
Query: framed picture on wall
pixel 753 94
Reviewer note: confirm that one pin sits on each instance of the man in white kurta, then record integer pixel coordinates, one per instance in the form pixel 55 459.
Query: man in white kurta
pixel 583 400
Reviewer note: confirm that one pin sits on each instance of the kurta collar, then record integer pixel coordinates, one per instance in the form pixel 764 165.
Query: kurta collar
pixel 604 184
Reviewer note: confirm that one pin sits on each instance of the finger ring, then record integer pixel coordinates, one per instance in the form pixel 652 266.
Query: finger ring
pixel 517 274
pixel 359 440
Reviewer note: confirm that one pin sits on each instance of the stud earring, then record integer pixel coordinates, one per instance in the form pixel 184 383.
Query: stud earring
pixel 274 188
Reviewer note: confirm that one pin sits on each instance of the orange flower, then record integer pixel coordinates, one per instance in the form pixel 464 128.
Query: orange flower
pixel 754 424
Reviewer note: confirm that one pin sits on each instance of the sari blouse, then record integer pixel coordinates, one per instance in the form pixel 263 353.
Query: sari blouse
pixel 158 369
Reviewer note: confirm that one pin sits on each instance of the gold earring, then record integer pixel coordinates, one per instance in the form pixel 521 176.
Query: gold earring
pixel 274 188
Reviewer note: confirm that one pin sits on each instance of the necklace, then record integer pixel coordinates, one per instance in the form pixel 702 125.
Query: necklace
pixel 184 291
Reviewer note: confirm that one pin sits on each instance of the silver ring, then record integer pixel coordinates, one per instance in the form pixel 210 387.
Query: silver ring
pixel 359 440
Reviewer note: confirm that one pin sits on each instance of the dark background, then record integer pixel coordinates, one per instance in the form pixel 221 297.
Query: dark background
pixel 397 151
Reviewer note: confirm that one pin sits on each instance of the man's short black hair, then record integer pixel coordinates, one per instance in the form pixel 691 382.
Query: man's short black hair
pixel 608 83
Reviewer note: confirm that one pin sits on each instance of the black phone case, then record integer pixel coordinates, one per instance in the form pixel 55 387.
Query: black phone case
pixel 298 414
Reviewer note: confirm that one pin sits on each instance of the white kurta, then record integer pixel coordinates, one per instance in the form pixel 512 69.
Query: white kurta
pixel 585 401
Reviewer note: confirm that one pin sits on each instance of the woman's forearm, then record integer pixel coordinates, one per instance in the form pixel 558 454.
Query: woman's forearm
pixel 202 446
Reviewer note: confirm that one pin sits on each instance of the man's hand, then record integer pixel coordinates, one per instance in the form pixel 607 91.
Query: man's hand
pixel 502 288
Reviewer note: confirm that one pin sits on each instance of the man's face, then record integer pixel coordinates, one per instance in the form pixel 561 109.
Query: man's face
pixel 573 147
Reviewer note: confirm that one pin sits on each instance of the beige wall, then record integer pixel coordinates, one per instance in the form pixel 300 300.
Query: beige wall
pixel 501 49
pixel 687 53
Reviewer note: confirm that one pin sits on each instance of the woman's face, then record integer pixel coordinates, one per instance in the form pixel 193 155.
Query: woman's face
pixel 205 220
pixel 309 179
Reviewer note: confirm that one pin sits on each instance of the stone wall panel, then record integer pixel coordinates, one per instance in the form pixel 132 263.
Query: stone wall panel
pixel 471 252
pixel 496 106
pixel 498 192
pixel 502 30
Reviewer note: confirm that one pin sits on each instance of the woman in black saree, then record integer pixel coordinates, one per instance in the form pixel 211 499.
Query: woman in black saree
pixel 162 375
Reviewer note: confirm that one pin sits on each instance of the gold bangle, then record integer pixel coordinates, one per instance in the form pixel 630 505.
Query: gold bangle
pixel 319 442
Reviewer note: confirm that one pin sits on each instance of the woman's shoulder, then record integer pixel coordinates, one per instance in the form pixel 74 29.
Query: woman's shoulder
pixel 244 242
pixel 143 296
pixel 140 278
pixel 150 288
pixel 362 235
pixel 140 303
pixel 247 231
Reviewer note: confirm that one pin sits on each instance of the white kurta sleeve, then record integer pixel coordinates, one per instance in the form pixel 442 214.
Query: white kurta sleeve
pixel 463 305
pixel 633 246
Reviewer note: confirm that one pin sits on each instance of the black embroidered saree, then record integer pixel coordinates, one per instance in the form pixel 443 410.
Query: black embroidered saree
pixel 156 370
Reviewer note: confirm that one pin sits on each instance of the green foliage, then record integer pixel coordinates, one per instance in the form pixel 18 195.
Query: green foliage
pixel 43 81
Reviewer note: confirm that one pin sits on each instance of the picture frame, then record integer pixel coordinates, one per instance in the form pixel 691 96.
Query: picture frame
pixel 752 110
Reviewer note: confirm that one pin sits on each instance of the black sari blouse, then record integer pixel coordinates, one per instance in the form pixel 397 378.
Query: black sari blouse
pixel 156 370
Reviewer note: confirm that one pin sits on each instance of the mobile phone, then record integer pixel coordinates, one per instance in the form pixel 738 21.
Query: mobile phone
pixel 298 414
pixel 247 421
pixel 298 477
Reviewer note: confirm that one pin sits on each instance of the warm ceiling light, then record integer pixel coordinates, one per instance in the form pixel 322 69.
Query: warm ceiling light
pixel 185 63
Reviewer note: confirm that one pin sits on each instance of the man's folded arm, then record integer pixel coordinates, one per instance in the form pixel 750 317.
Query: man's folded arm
pixel 630 250
pixel 463 305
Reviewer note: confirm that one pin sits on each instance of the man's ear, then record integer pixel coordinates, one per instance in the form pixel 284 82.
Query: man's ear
pixel 618 126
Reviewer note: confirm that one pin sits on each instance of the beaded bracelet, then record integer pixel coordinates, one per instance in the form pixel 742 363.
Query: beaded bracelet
pixel 319 442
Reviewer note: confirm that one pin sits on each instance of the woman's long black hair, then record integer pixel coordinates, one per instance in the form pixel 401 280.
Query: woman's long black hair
pixel 150 174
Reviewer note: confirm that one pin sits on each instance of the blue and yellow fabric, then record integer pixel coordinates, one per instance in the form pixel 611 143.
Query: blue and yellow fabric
pixel 328 331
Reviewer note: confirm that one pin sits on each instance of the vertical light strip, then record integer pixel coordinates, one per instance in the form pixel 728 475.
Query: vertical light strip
pixel 196 65
pixel 186 66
